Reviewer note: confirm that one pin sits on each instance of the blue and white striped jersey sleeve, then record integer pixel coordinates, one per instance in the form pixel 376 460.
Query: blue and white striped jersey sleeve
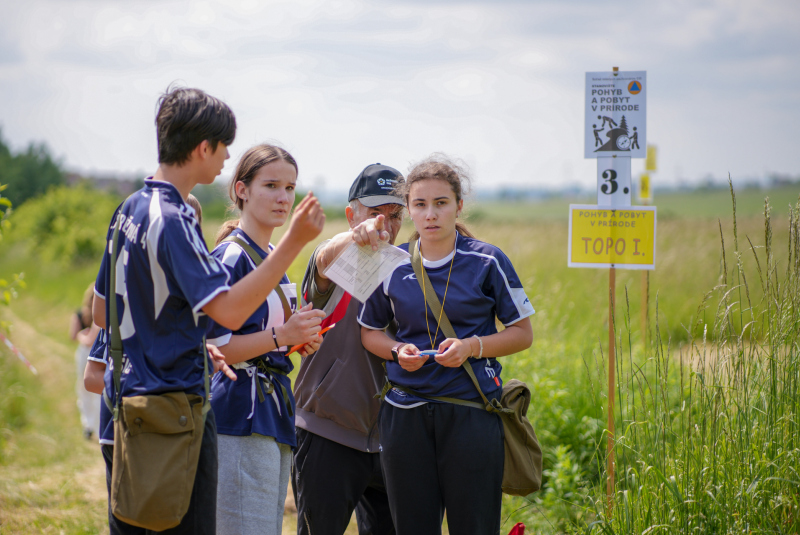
pixel 184 255
pixel 101 283
pixel 502 283
pixel 376 313
pixel 238 265
pixel 99 352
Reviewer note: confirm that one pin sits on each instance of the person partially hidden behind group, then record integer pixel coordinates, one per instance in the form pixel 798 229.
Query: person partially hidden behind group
pixel 83 330
pixel 437 455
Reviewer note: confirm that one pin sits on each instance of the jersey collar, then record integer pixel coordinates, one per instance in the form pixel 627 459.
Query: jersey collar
pixel 171 192
pixel 433 264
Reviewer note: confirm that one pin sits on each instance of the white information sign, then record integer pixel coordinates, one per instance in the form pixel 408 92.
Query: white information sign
pixel 616 114
pixel 614 182
pixel 359 270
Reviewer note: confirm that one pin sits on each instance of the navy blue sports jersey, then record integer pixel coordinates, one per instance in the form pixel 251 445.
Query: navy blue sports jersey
pixel 483 285
pixel 99 353
pixel 236 404
pixel 165 276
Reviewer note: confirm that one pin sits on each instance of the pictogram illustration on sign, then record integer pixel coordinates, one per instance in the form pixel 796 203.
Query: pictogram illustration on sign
pixel 616 114
pixel 601 237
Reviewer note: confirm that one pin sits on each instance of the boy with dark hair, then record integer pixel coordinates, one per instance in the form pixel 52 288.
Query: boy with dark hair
pixel 167 282
pixel 187 117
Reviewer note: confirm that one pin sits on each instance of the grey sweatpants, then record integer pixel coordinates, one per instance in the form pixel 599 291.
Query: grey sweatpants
pixel 253 477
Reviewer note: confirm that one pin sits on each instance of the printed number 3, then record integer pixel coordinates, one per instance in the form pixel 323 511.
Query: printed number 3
pixel 611 176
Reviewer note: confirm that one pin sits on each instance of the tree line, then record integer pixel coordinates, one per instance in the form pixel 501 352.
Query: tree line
pixel 29 172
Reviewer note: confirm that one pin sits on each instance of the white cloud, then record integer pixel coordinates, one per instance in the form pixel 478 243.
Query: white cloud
pixel 346 83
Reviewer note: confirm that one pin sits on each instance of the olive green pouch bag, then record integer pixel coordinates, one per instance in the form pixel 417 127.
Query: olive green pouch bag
pixel 157 441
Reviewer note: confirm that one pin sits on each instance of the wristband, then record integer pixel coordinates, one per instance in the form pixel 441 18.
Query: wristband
pixel 480 355
pixel 275 339
pixel 396 351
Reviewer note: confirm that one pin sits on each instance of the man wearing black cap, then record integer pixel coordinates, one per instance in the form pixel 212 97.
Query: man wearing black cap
pixel 336 463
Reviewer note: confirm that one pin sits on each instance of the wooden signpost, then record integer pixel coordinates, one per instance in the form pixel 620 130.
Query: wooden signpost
pixel 613 233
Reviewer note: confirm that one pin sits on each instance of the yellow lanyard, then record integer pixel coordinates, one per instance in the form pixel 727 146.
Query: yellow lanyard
pixel 425 296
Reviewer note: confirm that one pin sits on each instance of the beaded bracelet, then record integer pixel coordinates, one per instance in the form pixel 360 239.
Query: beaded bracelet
pixel 480 355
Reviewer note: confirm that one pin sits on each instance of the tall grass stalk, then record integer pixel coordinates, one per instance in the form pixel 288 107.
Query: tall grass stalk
pixel 707 436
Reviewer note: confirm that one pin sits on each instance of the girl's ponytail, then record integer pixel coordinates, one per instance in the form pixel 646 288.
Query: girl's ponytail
pixel 225 230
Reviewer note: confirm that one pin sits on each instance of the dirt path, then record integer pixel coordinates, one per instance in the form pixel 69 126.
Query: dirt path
pixel 54 479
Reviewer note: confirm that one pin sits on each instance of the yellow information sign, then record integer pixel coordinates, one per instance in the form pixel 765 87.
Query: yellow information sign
pixel 650 159
pixel 600 237
pixel 645 193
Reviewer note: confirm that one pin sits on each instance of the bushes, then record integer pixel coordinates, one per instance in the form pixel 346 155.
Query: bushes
pixel 66 225
pixel 12 406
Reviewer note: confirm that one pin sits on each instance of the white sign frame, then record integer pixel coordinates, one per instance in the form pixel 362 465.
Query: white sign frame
pixel 616 114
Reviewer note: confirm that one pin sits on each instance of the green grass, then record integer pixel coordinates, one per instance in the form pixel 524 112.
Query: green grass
pixel 706 434
pixel 692 205
pixel 707 441
pixel 708 398
pixel 51 479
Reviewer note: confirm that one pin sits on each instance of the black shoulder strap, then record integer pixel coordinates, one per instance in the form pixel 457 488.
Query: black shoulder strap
pixel 256 258
pixel 115 338
pixel 447 327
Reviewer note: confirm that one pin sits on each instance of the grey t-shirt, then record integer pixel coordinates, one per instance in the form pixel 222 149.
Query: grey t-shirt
pixel 336 386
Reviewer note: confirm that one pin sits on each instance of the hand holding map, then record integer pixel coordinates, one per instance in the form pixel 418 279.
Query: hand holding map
pixel 359 270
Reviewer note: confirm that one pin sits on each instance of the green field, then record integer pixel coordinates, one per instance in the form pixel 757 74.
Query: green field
pixel 706 407
pixel 703 204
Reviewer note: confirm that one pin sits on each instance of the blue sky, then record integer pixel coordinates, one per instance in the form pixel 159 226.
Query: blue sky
pixel 342 84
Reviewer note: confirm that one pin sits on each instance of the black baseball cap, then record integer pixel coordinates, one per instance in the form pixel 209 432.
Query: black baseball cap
pixel 375 186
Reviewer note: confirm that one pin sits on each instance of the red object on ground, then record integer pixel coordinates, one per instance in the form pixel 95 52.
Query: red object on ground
pixel 519 529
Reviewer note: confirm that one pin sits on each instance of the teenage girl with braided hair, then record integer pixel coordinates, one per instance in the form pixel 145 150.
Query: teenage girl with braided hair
pixel 437 455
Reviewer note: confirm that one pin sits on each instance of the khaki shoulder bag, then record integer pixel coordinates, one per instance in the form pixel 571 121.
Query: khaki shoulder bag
pixel 522 469
pixel 157 440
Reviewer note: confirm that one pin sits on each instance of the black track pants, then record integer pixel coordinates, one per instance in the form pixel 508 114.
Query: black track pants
pixel 330 481
pixel 438 457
